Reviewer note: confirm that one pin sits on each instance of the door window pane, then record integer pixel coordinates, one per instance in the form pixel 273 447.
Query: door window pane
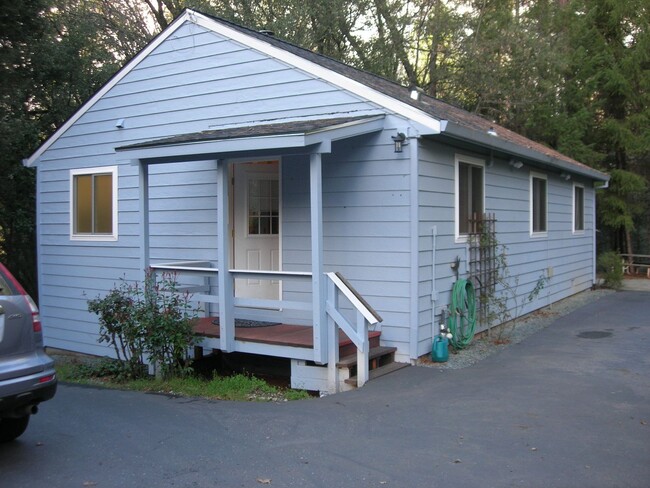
pixel 263 206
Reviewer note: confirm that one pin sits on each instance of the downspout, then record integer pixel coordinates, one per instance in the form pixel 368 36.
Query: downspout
pixel 414 230
pixel 434 292
pixel 604 186
pixel 593 249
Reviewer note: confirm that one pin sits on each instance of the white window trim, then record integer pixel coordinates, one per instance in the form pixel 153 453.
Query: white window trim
pixel 573 210
pixel 94 237
pixel 540 176
pixel 459 158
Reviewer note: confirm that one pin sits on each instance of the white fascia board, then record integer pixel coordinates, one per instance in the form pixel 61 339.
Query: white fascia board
pixel 345 131
pixel 430 123
pixel 128 67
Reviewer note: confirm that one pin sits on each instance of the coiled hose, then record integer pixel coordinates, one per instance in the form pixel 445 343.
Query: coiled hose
pixel 462 314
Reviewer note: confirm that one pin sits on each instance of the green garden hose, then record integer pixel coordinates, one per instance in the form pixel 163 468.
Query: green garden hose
pixel 462 314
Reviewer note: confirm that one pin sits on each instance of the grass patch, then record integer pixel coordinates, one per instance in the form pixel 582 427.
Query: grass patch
pixel 239 387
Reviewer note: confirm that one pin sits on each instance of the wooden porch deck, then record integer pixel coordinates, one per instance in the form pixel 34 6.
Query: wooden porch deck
pixel 280 334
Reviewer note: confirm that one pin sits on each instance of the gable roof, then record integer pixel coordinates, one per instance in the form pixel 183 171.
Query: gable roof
pixel 433 116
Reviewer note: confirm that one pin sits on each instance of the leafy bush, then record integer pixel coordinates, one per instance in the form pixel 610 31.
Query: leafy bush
pixel 119 327
pixel 166 315
pixel 119 371
pixel 610 265
pixel 152 319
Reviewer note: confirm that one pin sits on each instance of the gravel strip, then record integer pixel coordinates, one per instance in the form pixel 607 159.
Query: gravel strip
pixel 482 347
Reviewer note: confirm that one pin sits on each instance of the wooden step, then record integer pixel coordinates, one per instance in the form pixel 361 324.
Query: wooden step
pixel 347 347
pixel 375 352
pixel 378 372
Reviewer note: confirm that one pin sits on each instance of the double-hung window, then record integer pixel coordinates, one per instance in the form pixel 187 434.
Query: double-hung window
pixel 538 204
pixel 469 193
pixel 578 208
pixel 93 204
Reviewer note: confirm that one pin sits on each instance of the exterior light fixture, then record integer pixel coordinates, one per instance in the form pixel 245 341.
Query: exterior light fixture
pixel 565 176
pixel 119 124
pixel 516 164
pixel 415 92
pixel 399 140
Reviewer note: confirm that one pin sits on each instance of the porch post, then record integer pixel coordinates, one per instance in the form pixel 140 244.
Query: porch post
pixel 318 288
pixel 226 289
pixel 143 211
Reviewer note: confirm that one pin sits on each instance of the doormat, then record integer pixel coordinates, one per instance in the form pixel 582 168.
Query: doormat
pixel 249 324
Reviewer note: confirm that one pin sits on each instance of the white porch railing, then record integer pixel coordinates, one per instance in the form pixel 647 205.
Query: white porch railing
pixel 366 316
pixel 337 286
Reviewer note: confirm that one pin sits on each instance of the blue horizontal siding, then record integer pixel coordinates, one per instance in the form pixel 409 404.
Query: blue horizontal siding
pixel 507 195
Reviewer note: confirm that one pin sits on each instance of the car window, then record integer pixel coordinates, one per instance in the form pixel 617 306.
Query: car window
pixel 5 289
pixel 6 286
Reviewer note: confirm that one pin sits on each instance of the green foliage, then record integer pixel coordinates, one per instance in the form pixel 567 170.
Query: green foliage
pixel 165 315
pixel 54 55
pixel 152 319
pixel 571 74
pixel 236 388
pixel 116 370
pixel 119 326
pixel 111 373
pixel 610 265
pixel 501 300
pixel 622 202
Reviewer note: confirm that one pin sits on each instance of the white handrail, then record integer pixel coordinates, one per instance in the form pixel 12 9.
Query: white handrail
pixel 366 316
pixel 355 298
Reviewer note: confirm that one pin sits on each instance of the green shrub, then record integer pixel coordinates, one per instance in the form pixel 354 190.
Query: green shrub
pixel 152 319
pixel 119 328
pixel 610 266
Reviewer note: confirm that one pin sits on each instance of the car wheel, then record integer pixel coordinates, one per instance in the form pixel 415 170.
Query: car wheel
pixel 11 428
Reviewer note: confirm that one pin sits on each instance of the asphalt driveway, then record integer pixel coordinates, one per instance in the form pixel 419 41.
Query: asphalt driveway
pixel 568 407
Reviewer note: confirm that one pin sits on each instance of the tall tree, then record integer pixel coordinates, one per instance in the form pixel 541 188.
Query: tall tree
pixel 55 54
pixel 21 26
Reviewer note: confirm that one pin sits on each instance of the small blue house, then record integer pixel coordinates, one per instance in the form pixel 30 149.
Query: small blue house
pixel 286 187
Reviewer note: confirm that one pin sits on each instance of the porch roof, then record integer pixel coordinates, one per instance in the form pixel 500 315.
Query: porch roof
pixel 258 136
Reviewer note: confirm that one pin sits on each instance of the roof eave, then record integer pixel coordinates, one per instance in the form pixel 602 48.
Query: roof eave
pixel 318 140
pixel 456 131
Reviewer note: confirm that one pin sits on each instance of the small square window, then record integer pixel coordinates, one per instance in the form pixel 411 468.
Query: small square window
pixel 93 204
pixel 538 204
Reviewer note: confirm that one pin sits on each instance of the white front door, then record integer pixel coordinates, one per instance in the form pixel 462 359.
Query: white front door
pixel 256 226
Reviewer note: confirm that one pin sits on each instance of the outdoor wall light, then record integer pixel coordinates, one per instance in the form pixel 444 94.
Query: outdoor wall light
pixel 415 92
pixel 565 176
pixel 119 124
pixel 399 140
pixel 516 164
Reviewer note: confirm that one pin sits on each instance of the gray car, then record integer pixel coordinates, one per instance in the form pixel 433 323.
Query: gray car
pixel 27 375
